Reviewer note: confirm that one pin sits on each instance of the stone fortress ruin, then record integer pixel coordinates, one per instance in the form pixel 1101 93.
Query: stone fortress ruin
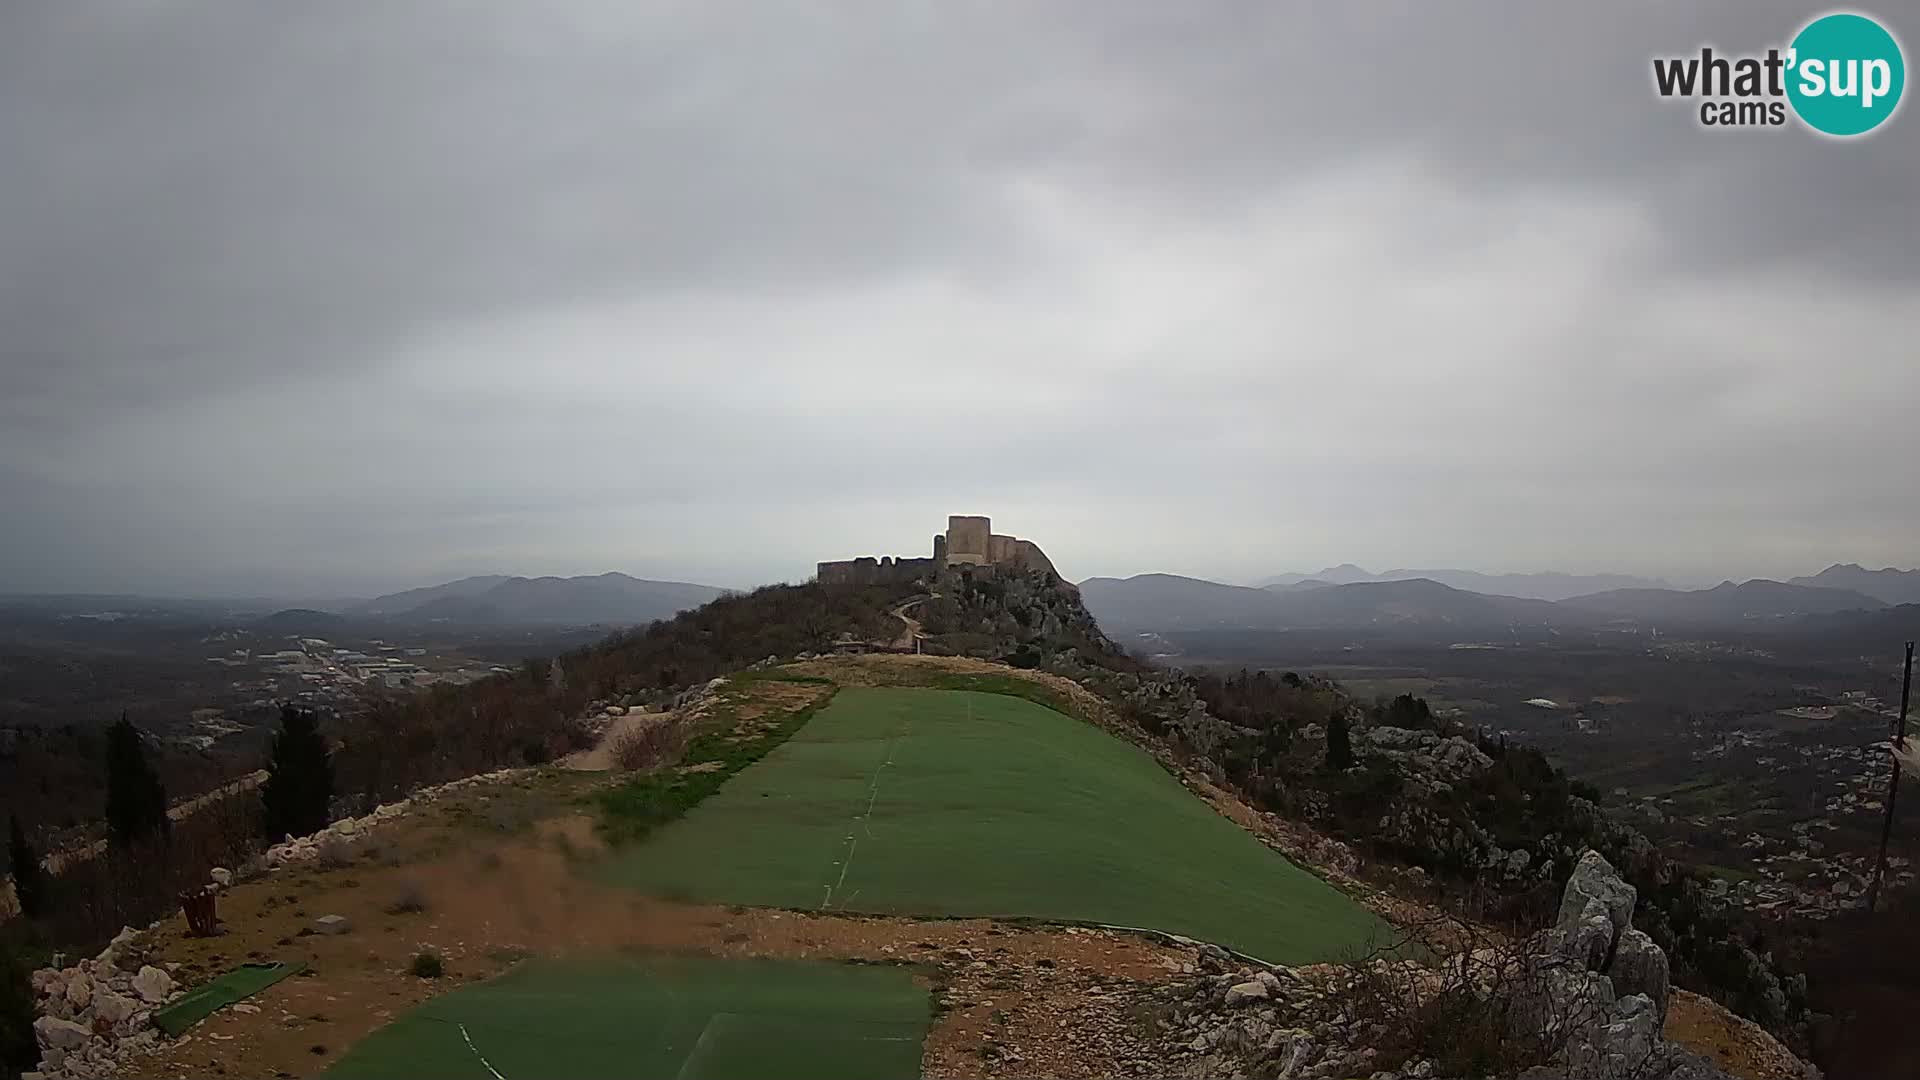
pixel 968 541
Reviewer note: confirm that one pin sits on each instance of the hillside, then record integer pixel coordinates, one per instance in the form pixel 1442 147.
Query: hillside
pixel 1550 585
pixel 1045 806
pixel 1724 603
pixel 1888 584
pixel 1166 602
pixel 612 598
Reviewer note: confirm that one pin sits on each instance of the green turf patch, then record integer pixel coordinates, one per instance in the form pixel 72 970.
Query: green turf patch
pixel 957 803
pixel 237 985
pixel 631 810
pixel 696 1018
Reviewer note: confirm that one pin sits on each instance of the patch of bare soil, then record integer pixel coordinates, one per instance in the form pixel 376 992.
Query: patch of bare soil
pixel 1736 1044
pixel 773 698
pixel 1013 998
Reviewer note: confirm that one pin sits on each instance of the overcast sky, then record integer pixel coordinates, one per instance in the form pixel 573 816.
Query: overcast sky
pixel 359 295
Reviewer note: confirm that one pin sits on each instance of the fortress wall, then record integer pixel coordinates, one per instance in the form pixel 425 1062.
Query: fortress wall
pixel 868 570
pixel 1028 556
pixel 1000 548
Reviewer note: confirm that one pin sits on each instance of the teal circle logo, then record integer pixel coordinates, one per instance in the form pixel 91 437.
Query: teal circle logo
pixel 1845 75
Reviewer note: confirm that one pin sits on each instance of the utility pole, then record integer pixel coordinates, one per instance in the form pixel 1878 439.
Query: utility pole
pixel 1893 783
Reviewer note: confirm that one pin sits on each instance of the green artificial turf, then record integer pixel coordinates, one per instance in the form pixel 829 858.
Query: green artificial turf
pixel 694 1018
pixel 947 802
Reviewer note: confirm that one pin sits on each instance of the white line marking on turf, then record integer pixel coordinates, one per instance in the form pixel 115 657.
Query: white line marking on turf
pixel 478 1054
pixel 873 795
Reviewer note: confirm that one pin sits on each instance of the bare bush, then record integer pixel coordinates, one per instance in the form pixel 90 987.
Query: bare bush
pixel 648 745
pixel 411 901
pixel 1472 1001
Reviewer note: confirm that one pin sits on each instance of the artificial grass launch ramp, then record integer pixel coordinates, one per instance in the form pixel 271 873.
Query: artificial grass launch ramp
pixel 953 802
pixel 691 1018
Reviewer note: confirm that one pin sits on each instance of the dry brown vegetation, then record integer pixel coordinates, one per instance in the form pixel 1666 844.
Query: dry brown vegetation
pixel 646 746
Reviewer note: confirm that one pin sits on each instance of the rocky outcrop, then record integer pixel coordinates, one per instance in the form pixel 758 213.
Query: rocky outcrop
pixel 1597 989
pixel 1594 880
pixel 1588 998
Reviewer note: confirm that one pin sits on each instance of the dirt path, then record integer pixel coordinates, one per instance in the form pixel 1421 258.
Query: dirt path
pixel 600 758
pixel 912 631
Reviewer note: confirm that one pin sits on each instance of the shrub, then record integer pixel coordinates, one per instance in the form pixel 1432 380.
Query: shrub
pixel 411 901
pixel 1470 1000
pixel 427 965
pixel 646 746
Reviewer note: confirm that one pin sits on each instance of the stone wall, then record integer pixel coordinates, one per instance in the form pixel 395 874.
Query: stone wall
pixel 868 570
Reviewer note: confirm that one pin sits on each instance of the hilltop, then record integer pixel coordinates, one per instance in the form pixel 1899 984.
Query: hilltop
pixel 734 720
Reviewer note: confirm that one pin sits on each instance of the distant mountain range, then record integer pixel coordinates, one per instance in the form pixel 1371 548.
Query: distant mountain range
pixel 1168 602
pixel 1544 586
pixel 1725 602
pixel 614 599
pixel 1890 585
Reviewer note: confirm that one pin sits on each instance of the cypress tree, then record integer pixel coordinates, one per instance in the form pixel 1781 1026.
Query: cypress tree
pixel 19 1050
pixel 1339 742
pixel 299 788
pixel 29 879
pixel 136 803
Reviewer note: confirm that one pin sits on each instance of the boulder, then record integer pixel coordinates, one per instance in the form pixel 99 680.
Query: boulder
pixel 1589 941
pixel 1624 1048
pixel 112 1007
pixel 1595 879
pixel 331 924
pixel 1393 738
pixel 1246 992
pixel 1639 967
pixel 49 982
pixel 153 985
pixel 57 1034
pixel 79 991
pixel 221 876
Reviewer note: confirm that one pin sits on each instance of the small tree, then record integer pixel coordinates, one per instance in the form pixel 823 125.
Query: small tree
pixel 299 787
pixel 136 803
pixel 19 1051
pixel 29 880
pixel 1339 742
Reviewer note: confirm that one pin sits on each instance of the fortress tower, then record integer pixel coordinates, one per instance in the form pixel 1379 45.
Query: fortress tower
pixel 969 540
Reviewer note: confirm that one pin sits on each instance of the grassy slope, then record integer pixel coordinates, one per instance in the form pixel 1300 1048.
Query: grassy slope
pixel 983 804
pixel 673 1016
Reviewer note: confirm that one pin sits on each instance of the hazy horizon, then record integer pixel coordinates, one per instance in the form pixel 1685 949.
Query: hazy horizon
pixel 346 299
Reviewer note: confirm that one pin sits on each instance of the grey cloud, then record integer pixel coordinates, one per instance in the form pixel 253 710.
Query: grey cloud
pixel 364 291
